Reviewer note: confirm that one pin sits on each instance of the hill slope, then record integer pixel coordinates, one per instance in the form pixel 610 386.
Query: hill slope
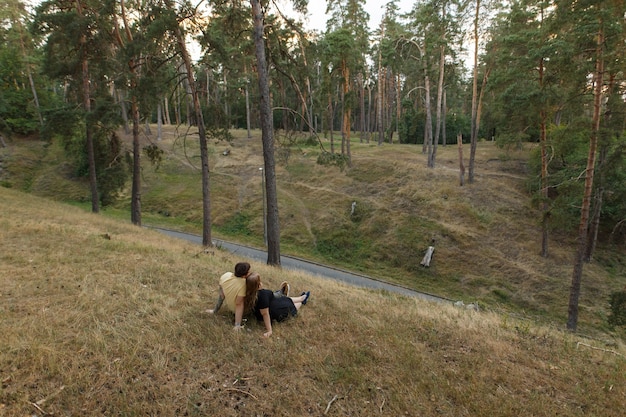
pixel 98 317
pixel 486 235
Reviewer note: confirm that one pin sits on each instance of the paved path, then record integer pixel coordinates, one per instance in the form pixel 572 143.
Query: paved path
pixel 312 268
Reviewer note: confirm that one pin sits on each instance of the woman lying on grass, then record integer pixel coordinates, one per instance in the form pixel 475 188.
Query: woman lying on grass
pixel 267 307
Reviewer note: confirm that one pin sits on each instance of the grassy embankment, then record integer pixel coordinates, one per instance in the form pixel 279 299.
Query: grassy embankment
pixel 487 235
pixel 98 317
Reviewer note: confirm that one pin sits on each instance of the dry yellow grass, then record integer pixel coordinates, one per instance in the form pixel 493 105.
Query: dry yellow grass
pixel 98 317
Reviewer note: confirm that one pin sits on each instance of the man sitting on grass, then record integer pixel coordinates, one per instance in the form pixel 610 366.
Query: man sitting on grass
pixel 232 289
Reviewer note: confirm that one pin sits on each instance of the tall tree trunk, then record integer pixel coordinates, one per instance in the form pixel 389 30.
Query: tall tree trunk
pixel 226 109
pixel 369 118
pixel 309 93
pixel 122 100
pixel 204 153
pixel 390 89
pixel 248 109
pixel 442 60
pixel 544 170
pixel 361 82
pixel 428 128
pixel 380 99
pixel 444 109
pixel 159 121
pixel 331 112
pixel 91 156
pixel 188 95
pixel 166 111
pixel 459 141
pixel 398 104
pixel 474 116
pixel 343 121
pixel 572 312
pixel 598 198
pixel 135 202
pixel 273 229
pixel 177 109
pixel 208 85
pixel 592 236
pixel 346 127
pixel 544 185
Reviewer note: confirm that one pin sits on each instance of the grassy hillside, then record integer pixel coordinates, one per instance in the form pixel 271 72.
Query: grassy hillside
pixel 98 317
pixel 486 235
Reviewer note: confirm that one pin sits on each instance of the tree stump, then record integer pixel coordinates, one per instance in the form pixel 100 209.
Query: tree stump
pixel 428 256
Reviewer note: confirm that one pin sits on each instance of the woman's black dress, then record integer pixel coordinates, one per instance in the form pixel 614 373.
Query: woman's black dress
pixel 281 308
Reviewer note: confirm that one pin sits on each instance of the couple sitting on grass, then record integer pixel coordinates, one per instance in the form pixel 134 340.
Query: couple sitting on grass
pixel 243 293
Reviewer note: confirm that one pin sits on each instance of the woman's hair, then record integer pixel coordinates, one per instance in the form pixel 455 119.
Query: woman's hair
pixel 241 269
pixel 253 283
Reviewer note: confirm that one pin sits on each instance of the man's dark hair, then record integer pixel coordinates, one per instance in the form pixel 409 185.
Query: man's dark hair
pixel 241 269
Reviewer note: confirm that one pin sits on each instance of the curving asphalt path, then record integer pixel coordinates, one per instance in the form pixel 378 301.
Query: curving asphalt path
pixel 312 268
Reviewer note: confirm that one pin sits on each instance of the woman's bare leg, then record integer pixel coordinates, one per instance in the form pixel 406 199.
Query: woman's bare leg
pixel 301 300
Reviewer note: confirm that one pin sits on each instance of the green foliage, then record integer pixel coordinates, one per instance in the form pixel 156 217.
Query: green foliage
pixel 112 172
pixel 568 155
pixel 237 225
pixel 342 244
pixel 612 178
pixel 512 140
pixel 217 122
pixel 67 124
pixel 412 125
pixel 17 111
pixel 568 148
pixel 332 159
pixel 154 154
pixel 617 303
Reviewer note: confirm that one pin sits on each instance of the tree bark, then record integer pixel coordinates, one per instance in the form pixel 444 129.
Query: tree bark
pixel 379 108
pixel 444 110
pixel 273 230
pixel 93 182
pixel 544 171
pixel 442 59
pixel 459 141
pixel 345 125
pixel 572 312
pixel 122 99
pixel 474 129
pixel 398 104
pixel 594 225
pixel 159 121
pixel 331 112
pixel 204 153
pixel 135 202
pixel 428 128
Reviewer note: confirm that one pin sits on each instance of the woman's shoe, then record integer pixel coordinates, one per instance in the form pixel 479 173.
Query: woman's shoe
pixel 306 294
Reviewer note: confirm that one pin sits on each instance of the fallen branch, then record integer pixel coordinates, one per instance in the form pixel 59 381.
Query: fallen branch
pixel 41 410
pixel 597 348
pixel 242 392
pixel 335 398
pixel 54 394
pixel 236 381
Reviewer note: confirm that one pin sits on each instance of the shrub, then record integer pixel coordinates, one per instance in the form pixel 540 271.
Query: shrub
pixel 618 308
